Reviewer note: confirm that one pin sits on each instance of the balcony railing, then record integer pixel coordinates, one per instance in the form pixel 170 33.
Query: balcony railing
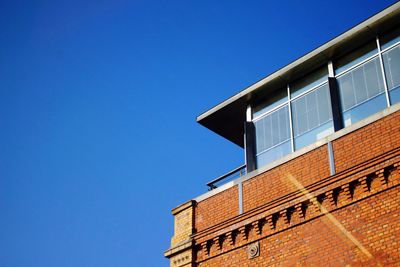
pixel 236 173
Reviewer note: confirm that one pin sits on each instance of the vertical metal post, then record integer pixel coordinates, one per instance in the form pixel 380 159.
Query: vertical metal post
pixel 331 159
pixel 249 142
pixel 335 98
pixel 290 118
pixel 383 72
pixel 246 152
pixel 331 70
pixel 240 193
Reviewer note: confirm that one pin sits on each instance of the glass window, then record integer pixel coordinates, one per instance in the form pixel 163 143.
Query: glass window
pixel 272 136
pixel 308 82
pixel 355 57
pixel 273 154
pixel 361 91
pixel 391 62
pixel 312 117
pixel 273 101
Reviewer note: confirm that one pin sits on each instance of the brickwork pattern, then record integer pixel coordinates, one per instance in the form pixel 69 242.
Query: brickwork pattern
pixel 302 216
pixel 369 212
pixel 273 184
pixel 183 225
pixel 216 209
pixel 181 253
pixel 367 142
pixel 374 222
pixel 350 150
pixel 183 259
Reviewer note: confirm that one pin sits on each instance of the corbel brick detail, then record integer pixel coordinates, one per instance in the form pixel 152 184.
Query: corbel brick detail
pixel 181 251
pixel 257 227
pixel 320 203
pixel 243 231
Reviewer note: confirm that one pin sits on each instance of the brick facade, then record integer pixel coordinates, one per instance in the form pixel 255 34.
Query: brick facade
pixel 217 209
pixel 300 215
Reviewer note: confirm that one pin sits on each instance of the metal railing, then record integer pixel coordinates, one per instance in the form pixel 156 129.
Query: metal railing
pixel 233 174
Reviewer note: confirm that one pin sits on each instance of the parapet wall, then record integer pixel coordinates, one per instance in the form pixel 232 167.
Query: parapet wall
pixel 316 209
pixel 217 209
pixel 274 184
pixel 367 143
pixel 350 150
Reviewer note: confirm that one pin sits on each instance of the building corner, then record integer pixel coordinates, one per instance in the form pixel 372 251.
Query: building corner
pixel 180 252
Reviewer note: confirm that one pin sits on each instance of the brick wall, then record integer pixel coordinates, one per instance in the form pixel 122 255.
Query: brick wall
pixel 374 222
pixel 217 209
pixel 360 227
pixel 301 216
pixel 181 252
pixel 367 142
pixel 273 184
pixel 183 223
pixel 352 149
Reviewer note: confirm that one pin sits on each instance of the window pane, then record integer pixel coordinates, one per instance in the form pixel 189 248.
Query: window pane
pixel 324 100
pixel 364 110
pixel 373 78
pixel 275 100
pixel 312 112
pixel 312 117
pixel 361 91
pixel 391 61
pixel 348 98
pixel 309 81
pixel 395 95
pixel 275 127
pixel 355 57
pixel 314 135
pixel 260 142
pixel 299 108
pixel 272 129
pixel 273 154
pixel 360 84
pixel 284 129
pixel 390 38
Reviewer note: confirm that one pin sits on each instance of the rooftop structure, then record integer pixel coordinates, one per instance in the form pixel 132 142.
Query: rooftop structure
pixel 322 139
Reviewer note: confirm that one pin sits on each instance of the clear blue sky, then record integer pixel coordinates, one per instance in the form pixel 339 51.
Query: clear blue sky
pixel 98 99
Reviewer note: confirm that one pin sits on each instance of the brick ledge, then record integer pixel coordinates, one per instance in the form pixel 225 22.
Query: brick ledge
pixel 265 223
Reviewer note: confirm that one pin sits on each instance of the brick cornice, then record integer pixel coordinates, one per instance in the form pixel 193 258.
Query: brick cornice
pixel 183 206
pixel 371 176
pixel 178 248
pixel 297 196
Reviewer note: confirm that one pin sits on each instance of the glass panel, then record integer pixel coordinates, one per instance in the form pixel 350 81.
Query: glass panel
pixel 300 123
pixel 391 62
pixel 273 154
pixel 314 135
pixel 272 129
pixel 324 100
pixel 360 84
pixel 355 57
pixel 364 110
pixel 390 38
pixel 362 91
pixel 275 100
pixel 395 95
pixel 309 81
pixel 312 116
pixel 348 98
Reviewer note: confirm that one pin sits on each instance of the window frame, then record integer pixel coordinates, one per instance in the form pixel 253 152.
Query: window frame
pixel 330 66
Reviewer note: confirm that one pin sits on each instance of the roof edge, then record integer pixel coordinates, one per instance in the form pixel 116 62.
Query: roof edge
pixel 319 50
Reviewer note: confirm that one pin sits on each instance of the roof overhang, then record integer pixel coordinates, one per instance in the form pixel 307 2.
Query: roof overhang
pixel 227 118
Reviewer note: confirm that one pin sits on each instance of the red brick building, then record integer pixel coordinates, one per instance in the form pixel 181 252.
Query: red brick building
pixel 320 186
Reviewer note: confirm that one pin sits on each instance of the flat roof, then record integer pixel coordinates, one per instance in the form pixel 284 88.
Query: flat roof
pixel 227 118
